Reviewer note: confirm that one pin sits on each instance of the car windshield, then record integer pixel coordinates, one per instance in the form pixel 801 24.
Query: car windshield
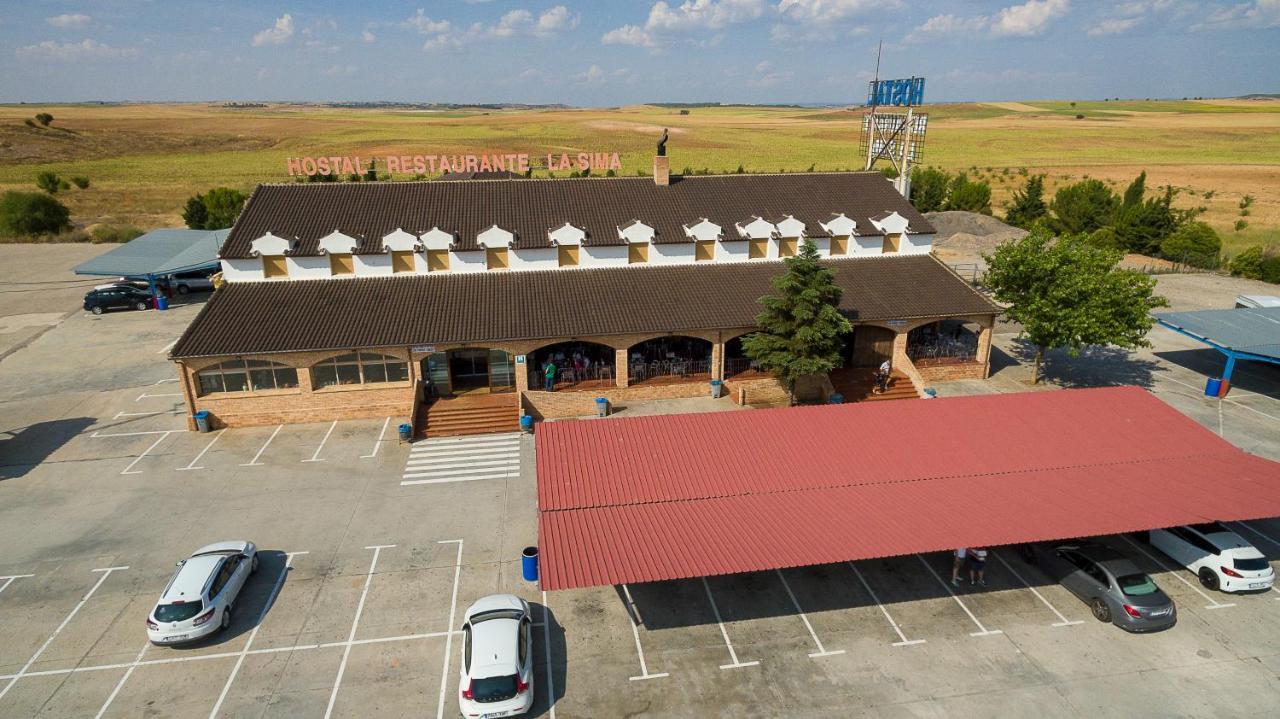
pixel 177 612
pixel 1137 585
pixel 1252 564
pixel 496 614
pixel 493 689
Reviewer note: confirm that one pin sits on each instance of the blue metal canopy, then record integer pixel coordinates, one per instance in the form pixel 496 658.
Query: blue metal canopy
pixel 1241 333
pixel 158 253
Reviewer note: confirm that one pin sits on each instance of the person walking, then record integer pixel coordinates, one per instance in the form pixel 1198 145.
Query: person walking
pixel 956 565
pixel 978 567
pixel 882 376
pixel 549 374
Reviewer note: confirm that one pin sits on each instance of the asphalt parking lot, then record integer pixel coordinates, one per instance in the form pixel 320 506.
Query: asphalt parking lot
pixel 367 568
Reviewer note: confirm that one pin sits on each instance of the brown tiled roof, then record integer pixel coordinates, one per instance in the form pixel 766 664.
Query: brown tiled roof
pixel 303 315
pixel 530 208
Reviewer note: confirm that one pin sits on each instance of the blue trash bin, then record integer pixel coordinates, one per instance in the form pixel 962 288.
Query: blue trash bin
pixel 526 423
pixel 529 564
pixel 202 421
pixel 835 398
pixel 602 407
pixel 717 388
pixel 162 302
pixel 406 432
pixel 1213 387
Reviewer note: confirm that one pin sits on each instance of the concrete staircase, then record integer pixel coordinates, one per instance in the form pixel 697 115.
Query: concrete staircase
pixel 857 385
pixel 470 414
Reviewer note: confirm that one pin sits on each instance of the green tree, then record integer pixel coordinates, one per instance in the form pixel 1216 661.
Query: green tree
pixel 49 181
pixel 1271 269
pixel 928 188
pixel 801 327
pixel 32 213
pixel 1083 207
pixel 1068 293
pixel 1136 191
pixel 195 214
pixel 81 182
pixel 1194 243
pixel 1027 206
pixel 1248 263
pixel 968 196
pixel 1142 227
pixel 44 118
pixel 223 205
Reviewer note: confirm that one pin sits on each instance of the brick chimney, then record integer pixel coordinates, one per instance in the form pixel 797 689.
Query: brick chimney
pixel 661 170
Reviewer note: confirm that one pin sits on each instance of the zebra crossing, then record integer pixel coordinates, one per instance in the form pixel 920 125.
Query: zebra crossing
pixel 463 459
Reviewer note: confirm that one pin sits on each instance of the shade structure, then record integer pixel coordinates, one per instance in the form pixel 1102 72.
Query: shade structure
pixel 159 252
pixel 1252 332
pixel 668 497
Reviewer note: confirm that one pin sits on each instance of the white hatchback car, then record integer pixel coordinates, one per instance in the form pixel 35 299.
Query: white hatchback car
pixel 201 595
pixel 1221 558
pixel 497 658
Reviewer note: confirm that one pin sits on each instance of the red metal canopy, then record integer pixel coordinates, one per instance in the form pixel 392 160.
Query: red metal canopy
pixel 675 496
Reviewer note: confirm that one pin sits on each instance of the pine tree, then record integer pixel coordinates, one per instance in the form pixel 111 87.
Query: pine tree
pixel 1028 204
pixel 1136 191
pixel 801 328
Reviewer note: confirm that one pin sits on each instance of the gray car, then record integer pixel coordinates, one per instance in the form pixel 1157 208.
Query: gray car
pixel 1111 584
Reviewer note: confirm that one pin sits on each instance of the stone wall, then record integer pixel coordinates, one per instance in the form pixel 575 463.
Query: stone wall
pixel 559 405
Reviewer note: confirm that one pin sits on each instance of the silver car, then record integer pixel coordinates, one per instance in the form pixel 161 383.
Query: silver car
pixel 1112 585
pixel 201 596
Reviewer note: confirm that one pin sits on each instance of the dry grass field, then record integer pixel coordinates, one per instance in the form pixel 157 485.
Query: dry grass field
pixel 145 160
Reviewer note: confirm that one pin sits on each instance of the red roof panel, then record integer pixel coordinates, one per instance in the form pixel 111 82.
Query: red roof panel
pixel 666 497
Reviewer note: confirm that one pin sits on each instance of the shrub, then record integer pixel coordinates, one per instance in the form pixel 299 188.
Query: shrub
pixel 1194 243
pixel 1271 269
pixel 1083 207
pixel 109 234
pixel 214 210
pixel 928 189
pixel 1079 116
pixel 32 213
pixel 44 118
pixel 969 196
pixel 81 182
pixel 1104 237
pixel 889 172
pixel 1241 224
pixel 1248 263
pixel 49 181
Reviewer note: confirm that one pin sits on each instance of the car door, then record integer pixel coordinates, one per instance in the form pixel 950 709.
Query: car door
pixel 1073 577
pixel 111 299
pixel 1097 581
pixel 235 578
pixel 1200 551
pixel 217 590
pixel 241 574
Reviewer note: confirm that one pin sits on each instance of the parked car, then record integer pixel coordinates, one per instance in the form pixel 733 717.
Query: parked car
pixel 194 281
pixel 1221 558
pixel 110 297
pixel 201 596
pixel 497 658
pixel 1111 584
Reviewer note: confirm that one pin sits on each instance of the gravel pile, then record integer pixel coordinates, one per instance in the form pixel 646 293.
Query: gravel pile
pixel 968 234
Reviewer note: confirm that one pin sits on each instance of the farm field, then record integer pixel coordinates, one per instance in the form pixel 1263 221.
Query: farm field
pixel 145 160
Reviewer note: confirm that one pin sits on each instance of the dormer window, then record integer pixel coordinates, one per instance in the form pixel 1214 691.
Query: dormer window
pixel 637 253
pixel 274 266
pixel 341 264
pixel 272 250
pixel 401 261
pixel 497 259
pixel 567 255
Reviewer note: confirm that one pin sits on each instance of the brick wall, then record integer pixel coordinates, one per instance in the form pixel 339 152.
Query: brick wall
pixel 559 405
pixel 763 392
pixel 323 406
pixel 951 372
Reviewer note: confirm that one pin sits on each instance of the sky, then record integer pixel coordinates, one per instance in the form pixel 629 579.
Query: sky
pixel 614 52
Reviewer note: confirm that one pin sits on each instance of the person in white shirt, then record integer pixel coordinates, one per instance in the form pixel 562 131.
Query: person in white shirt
pixel 882 376
pixel 956 564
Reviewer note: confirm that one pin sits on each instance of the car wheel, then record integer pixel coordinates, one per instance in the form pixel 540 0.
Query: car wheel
pixel 96 310
pixel 1209 579
pixel 253 566
pixel 1100 610
pixel 226 617
pixel 140 306
pixel 183 289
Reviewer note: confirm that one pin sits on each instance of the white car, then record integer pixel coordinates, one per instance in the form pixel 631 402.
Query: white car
pixel 497 658
pixel 201 595
pixel 1221 558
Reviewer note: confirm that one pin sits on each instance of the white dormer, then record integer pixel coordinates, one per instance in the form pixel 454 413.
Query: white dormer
pixel 891 224
pixel 494 238
pixel 336 243
pixel 791 227
pixel 840 226
pixel 270 245
pixel 758 229
pixel 400 241
pixel 703 230
pixel 437 239
pixel 567 234
pixel 636 233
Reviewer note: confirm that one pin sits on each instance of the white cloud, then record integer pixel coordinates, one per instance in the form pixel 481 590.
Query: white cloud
pixel 1114 26
pixel 86 49
pixel 425 25
pixel 1030 18
pixel 554 20
pixel 593 75
pixel 702 14
pixel 1253 15
pixel 75 19
pixel 277 34
pixel 628 35
pixel 339 71
pixel 767 76
pixel 442 34
pixel 367 36
pixel 829 11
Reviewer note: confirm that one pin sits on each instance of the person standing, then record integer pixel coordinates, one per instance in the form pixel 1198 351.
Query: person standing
pixel 882 376
pixel 549 375
pixel 978 567
pixel 956 565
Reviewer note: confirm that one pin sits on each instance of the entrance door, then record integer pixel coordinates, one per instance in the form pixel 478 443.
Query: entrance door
pixel 871 345
pixel 469 369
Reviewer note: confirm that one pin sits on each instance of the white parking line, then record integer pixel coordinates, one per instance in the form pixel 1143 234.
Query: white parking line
pixel 122 415
pixel 633 616
pixel 378 442
pixel 1062 621
pixel 822 651
pixel 1228 399
pixel 120 684
pixel 216 437
pixel 133 434
pixel 9 580
pixel 902 638
pixel 145 452
pixel 355 623
pixel 546 644
pixel 448 640
pixel 271 600
pixel 106 572
pixel 983 631
pixel 733 656
pixel 1176 573
pixel 316 457
pixel 254 462
pixel 144 395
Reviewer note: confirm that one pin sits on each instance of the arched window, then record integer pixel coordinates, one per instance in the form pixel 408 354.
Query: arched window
pixel 358 368
pixel 241 375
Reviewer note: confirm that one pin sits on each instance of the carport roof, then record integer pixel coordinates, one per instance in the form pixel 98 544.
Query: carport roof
pixel 1253 331
pixel 668 497
pixel 158 252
